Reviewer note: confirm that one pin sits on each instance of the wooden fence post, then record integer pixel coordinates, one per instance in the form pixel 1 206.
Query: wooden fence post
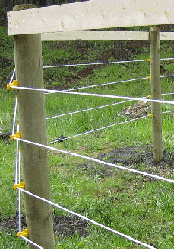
pixel 29 70
pixel 156 93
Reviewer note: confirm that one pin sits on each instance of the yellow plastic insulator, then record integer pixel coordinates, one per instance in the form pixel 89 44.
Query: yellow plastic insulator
pixel 14 83
pixel 17 135
pixel 25 233
pixel 148 60
pixel 149 96
pixel 148 77
pixel 20 185
pixel 150 115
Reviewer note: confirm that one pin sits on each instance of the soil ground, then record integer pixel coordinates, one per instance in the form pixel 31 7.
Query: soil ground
pixel 64 226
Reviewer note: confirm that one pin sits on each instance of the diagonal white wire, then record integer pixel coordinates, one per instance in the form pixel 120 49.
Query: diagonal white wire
pixel 96 160
pixel 97 129
pixel 110 83
pixel 93 108
pixel 12 76
pixel 95 95
pixel 101 128
pixel 104 84
pixel 31 242
pixel 88 109
pixel 87 219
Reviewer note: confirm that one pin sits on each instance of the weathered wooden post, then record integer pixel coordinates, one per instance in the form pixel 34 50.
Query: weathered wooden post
pixel 156 93
pixel 29 71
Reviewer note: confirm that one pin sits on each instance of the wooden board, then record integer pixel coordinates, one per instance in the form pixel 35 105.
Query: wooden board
pixel 96 35
pixel 90 15
pixel 103 35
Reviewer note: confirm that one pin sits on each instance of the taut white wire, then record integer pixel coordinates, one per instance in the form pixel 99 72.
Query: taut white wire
pixel 99 63
pixel 17 160
pixel 102 128
pixel 97 129
pixel 110 83
pixel 104 84
pixel 95 95
pixel 88 109
pixel 92 63
pixel 19 197
pixel 14 116
pixel 97 160
pixel 31 242
pixel 93 108
pixel 87 219
pixel 167 94
pixel 12 76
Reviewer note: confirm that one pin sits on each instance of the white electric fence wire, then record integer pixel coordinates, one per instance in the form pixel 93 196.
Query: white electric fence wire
pixel 110 83
pixel 95 95
pixel 88 109
pixel 19 198
pixel 102 128
pixel 12 76
pixel 16 181
pixel 14 116
pixel 166 59
pixel 93 108
pixel 167 94
pixel 92 63
pixel 31 242
pixel 17 160
pixel 100 63
pixel 104 84
pixel 96 160
pixel 89 220
pixel 97 129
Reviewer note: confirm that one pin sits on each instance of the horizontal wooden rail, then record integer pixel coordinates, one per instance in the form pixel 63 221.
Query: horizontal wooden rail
pixel 90 15
pixel 96 35
pixel 103 35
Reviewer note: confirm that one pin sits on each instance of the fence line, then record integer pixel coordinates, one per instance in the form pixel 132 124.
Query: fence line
pixel 93 63
pixel 98 107
pixel 101 128
pixel 17 175
pixel 95 95
pixel 87 219
pixel 98 129
pixel 96 160
pixel 100 63
pixel 88 109
pixel 105 84
pixel 111 83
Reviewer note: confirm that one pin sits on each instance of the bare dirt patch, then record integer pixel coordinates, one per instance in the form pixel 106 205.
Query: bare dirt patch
pixel 136 155
pixel 64 226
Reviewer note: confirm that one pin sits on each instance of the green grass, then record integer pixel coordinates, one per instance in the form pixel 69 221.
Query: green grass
pixel 123 201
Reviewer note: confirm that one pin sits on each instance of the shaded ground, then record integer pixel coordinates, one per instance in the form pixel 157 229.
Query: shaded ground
pixel 65 226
